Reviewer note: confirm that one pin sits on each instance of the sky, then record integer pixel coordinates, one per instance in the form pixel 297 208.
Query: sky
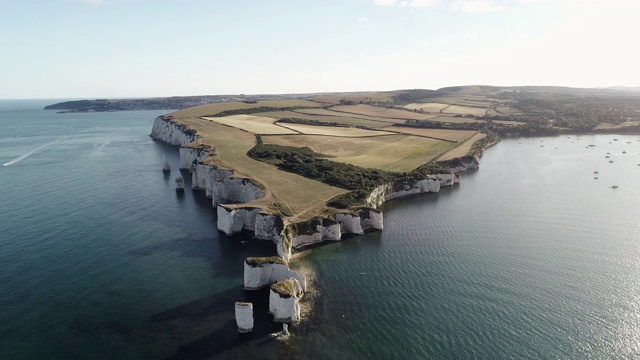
pixel 140 48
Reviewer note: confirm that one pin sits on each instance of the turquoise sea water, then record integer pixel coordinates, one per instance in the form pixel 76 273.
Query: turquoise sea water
pixel 530 257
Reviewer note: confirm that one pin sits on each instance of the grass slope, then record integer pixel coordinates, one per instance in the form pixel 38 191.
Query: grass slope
pixel 290 193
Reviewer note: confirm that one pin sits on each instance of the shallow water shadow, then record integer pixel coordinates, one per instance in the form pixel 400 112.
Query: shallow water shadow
pixel 225 254
pixel 227 336
pixel 201 308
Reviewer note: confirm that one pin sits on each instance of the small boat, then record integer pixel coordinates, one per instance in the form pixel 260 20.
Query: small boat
pixel 607 156
pixel 624 152
pixel 596 172
pixel 595 177
pixel 610 161
pixel 615 139
pixel 614 186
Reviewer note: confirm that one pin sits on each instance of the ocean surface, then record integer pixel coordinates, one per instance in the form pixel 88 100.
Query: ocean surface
pixel 529 257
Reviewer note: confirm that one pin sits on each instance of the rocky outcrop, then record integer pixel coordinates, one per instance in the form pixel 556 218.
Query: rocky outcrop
pixel 284 302
pixel 371 219
pixel 377 196
pixel 461 164
pixel 314 231
pixel 350 223
pixel 232 221
pixel 360 221
pixel 235 191
pixel 190 157
pixel 431 184
pixel 179 183
pixel 244 316
pixel 264 271
pixel 206 177
pixel 271 227
pixel 165 129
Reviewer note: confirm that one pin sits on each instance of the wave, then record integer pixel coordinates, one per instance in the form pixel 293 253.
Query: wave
pixel 24 156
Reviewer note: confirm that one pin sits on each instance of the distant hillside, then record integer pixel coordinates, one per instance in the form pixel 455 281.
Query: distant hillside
pixel 163 103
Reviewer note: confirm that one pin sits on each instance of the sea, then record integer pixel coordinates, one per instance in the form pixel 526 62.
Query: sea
pixel 529 257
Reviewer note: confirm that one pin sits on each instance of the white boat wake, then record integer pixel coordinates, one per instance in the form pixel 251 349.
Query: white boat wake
pixel 24 156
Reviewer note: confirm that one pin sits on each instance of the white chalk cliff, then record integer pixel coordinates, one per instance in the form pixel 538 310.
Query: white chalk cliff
pixel 232 221
pixel 168 131
pixel 190 157
pixel 285 307
pixel 244 316
pixel 314 231
pixel 258 276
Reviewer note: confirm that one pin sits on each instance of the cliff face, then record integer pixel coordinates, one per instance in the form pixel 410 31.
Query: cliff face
pixel 314 231
pixel 271 227
pixel 168 131
pixel 285 306
pixel 235 191
pixel 233 221
pixel 190 157
pixel 431 184
pixel 258 276
pixel 461 164
pixel 206 177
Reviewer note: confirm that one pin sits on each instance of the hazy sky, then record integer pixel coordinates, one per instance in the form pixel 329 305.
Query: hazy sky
pixel 130 48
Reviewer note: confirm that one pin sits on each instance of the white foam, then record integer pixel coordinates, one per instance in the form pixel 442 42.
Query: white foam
pixel 24 156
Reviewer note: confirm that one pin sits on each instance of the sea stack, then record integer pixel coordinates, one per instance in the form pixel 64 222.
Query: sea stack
pixel 244 317
pixel 166 167
pixel 180 183
pixel 284 299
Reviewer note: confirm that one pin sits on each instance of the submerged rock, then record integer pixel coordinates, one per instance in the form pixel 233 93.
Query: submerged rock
pixel 179 183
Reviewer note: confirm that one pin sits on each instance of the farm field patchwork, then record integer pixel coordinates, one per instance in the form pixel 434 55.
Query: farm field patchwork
pixel 381 112
pixel 213 109
pixel 333 130
pixel 285 190
pixel 329 112
pixel 464 148
pixel 399 153
pixel 458 120
pixel 343 120
pixel 428 107
pixel 443 134
pixel 465 110
pixel 251 123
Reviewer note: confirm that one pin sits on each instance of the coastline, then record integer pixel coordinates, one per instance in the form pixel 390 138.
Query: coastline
pixel 244 214
pixel 293 240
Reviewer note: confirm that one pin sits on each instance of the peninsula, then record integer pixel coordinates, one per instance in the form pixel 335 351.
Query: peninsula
pixel 302 170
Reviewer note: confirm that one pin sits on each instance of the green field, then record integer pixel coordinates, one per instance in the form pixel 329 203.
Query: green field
pixel 329 112
pixel 343 120
pixel 399 153
pixel 428 107
pixel 284 190
pixel 380 112
pixel 253 124
pixel 333 130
